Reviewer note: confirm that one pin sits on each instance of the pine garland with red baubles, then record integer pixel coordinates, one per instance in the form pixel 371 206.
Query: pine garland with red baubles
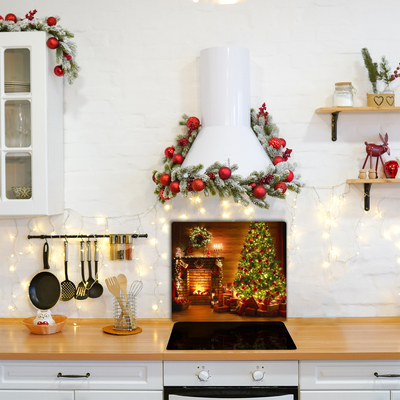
pixel 219 178
pixel 60 40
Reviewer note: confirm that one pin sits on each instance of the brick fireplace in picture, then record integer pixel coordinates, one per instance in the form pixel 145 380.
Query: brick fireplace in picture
pixel 198 282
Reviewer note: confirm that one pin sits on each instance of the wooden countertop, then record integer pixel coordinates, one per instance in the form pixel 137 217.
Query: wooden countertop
pixel 315 338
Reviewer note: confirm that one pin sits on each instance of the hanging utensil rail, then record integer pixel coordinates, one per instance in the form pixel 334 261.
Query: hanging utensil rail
pixel 134 236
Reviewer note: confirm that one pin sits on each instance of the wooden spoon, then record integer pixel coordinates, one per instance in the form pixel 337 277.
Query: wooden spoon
pixel 123 284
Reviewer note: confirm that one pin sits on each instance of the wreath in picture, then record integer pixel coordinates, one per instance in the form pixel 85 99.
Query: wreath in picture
pixel 199 237
pixel 219 178
pixel 60 40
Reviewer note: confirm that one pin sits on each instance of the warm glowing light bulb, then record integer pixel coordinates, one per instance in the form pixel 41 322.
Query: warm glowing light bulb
pixel 155 307
pixel 167 207
pixel 162 220
pixel 325 235
pixel 202 210
pixel 197 200
pixel 12 268
pixel 325 264
pixel 154 241
pixel 164 256
pixel 184 216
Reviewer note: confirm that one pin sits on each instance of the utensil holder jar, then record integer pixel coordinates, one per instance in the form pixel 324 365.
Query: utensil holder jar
pixel 125 316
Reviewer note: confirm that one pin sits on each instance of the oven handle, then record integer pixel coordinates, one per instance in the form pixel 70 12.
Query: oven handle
pixel 386 376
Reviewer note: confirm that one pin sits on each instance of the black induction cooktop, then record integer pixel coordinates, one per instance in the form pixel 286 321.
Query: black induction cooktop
pixel 266 335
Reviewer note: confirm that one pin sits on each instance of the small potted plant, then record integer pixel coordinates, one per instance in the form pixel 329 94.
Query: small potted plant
pixel 379 72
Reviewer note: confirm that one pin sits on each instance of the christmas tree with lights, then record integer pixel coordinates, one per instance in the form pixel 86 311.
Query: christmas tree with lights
pixel 260 273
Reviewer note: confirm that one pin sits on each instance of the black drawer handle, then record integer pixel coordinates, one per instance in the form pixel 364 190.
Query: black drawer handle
pixel 386 376
pixel 60 375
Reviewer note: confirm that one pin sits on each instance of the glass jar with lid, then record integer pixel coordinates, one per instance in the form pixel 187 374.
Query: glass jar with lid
pixel 343 95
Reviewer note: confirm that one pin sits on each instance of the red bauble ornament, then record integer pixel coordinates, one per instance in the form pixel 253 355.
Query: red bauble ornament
pixel 283 142
pixel 11 17
pixel 259 192
pixel 1 18
pixel 165 179
pixel 169 151
pixel 161 195
pixel 225 173
pixel 52 43
pixel 51 21
pixel 391 168
pixel 174 187
pixel 67 56
pixel 58 70
pixel 198 185
pixel 281 185
pixel 193 123
pixel 154 179
pixel 177 159
pixel 253 185
pixel 275 143
pixel 277 160
pixel 289 177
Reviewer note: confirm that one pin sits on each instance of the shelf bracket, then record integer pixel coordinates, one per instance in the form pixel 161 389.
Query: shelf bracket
pixel 335 117
pixel 367 190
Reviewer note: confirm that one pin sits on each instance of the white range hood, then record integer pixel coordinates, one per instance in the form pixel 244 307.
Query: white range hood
pixel 225 105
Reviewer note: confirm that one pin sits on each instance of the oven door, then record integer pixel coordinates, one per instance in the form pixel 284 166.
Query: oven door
pixel 230 393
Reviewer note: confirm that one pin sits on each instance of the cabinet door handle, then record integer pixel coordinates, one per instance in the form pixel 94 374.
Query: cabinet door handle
pixel 60 375
pixel 386 376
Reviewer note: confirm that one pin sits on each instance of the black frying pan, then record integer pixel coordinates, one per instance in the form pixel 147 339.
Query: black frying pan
pixel 45 288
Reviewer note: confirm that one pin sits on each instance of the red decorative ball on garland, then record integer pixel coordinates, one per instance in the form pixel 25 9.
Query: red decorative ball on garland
pixel 177 159
pixel 281 185
pixel 169 151
pixel 289 177
pixel 165 179
pixel 51 21
pixel 275 143
pixel 225 173
pixel 161 195
pixel 283 142
pixel 52 43
pixel 277 160
pixel 198 185
pixel 193 123
pixel 1 18
pixel 154 179
pixel 259 192
pixel 11 17
pixel 58 70
pixel 174 187
pixel 253 185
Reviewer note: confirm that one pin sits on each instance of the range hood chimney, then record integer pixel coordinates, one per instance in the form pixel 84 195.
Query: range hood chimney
pixel 226 135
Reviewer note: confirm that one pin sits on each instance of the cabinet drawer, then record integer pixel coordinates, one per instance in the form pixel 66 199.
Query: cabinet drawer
pixel 35 395
pixel 349 375
pixel 118 395
pixel 122 375
pixel 345 395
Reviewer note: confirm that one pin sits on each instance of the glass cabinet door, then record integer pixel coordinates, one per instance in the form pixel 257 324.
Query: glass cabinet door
pixel 17 67
pixel 17 123
pixel 18 176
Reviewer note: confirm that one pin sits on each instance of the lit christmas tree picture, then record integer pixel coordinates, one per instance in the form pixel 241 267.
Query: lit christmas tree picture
pixel 260 277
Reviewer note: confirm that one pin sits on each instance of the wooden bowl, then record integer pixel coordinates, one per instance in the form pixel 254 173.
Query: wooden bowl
pixel 60 321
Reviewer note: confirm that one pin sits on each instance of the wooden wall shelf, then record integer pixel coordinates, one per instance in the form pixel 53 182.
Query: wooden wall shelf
pixel 335 111
pixel 367 187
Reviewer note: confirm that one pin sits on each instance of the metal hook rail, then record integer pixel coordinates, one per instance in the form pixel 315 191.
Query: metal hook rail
pixel 134 236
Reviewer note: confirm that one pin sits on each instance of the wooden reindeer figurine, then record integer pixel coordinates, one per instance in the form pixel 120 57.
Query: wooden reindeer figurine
pixel 376 150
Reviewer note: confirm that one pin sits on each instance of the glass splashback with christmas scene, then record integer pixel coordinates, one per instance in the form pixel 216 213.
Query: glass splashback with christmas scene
pixel 228 271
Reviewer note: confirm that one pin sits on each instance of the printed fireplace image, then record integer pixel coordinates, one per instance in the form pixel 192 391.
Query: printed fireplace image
pixel 228 271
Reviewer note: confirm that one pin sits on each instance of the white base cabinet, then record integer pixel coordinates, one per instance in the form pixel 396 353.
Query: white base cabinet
pixel 349 380
pixel 84 380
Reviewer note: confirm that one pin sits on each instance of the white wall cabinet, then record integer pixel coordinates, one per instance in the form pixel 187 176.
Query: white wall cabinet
pixel 31 127
pixel 345 380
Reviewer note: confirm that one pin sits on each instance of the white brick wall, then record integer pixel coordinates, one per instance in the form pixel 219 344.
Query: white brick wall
pixel 139 74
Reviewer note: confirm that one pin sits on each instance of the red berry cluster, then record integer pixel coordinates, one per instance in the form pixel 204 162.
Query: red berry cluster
pixel 263 113
pixel 265 179
pixel 183 142
pixel 30 15
pixel 286 154
pixel 189 184
pixel 211 176
pixel 396 73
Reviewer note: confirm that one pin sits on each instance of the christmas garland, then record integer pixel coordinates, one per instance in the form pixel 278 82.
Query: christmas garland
pixel 199 237
pixel 65 48
pixel 218 178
